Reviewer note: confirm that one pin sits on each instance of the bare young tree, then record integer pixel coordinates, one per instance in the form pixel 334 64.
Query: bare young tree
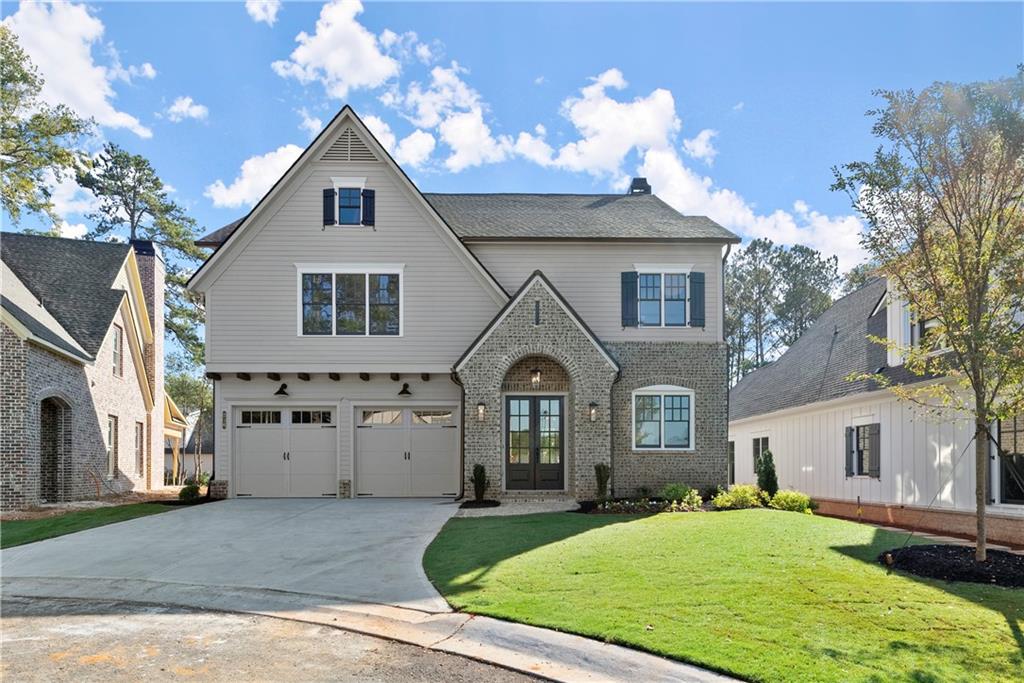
pixel 944 201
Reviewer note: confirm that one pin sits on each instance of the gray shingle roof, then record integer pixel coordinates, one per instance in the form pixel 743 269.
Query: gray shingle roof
pixel 72 278
pixel 556 216
pixel 39 329
pixel 816 366
pixel 571 216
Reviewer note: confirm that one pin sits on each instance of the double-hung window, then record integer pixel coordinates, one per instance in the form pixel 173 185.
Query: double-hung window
pixel 111 446
pixel 117 354
pixel 350 208
pixel 663 418
pixel 661 297
pixel 349 301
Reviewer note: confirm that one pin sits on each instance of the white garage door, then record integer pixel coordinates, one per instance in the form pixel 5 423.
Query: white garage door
pixel 286 453
pixel 404 452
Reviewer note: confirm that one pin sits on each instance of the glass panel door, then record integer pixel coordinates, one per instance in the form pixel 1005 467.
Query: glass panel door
pixel 534 442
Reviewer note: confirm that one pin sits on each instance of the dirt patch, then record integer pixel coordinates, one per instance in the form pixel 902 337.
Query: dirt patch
pixel 58 509
pixel 957 563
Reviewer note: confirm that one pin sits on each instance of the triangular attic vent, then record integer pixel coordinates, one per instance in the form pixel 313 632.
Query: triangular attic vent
pixel 348 147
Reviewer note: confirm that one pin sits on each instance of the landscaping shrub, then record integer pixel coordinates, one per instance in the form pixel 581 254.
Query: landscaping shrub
pixel 710 492
pixel 766 479
pixel 204 479
pixel 674 491
pixel 480 482
pixel 189 493
pixel 681 498
pixel 643 491
pixel 603 473
pixel 739 497
pixel 792 501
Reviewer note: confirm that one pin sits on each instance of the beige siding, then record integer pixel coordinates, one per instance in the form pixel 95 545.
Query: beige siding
pixel 920 456
pixel 588 274
pixel 253 300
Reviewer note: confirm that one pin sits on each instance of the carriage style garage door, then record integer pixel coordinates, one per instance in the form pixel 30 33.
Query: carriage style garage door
pixel 407 452
pixel 282 453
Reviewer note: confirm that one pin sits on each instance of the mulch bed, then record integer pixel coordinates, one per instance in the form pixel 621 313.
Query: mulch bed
pixel 480 504
pixel 957 563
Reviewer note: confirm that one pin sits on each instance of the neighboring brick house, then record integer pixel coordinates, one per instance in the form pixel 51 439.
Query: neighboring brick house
pixel 82 356
pixel 366 339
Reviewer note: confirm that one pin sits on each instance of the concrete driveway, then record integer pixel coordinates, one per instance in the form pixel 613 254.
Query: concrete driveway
pixel 360 550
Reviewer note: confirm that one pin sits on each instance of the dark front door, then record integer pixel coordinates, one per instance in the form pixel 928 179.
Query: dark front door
pixel 534 442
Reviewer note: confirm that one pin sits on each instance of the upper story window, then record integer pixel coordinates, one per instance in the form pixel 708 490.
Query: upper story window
pixel 349 202
pixel 118 351
pixel 350 301
pixel 662 296
pixel 349 206
pixel 663 418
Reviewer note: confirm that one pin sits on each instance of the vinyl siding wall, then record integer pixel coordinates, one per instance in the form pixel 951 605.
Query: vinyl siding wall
pixel 252 303
pixel 588 275
pixel 917 454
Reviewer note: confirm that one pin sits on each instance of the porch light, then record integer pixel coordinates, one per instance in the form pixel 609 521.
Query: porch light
pixel 481 410
pixel 535 378
pixel 405 390
pixel 593 412
pixel 282 390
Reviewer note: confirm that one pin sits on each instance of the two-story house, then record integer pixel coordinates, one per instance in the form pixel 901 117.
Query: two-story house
pixel 856 448
pixel 367 339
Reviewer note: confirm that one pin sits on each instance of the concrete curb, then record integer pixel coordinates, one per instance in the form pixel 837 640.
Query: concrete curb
pixel 528 649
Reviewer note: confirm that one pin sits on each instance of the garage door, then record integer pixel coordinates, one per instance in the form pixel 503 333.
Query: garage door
pixel 286 453
pixel 404 452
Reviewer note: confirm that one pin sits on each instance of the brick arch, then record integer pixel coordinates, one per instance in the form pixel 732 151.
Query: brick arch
pixel 55 416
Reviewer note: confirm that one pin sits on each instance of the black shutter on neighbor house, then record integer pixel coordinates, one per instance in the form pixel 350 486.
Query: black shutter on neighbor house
pixel 629 301
pixel 875 457
pixel 329 206
pixel 369 207
pixel 696 299
pixel 849 451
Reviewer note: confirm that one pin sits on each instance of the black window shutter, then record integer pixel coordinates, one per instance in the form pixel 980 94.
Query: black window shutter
pixel 849 451
pixel 696 299
pixel 369 207
pixel 329 206
pixel 629 302
pixel 875 459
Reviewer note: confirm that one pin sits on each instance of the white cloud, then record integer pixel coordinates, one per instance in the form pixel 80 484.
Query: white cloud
pixel 739 106
pixel 119 72
pixel 701 146
pixel 415 149
pixel 255 177
pixel 471 141
pixel 59 39
pixel 540 80
pixel 311 124
pixel 342 55
pixel 76 231
pixel 382 131
pixel 68 197
pixel 424 53
pixel 447 93
pixel 534 147
pixel 263 10
pixel 185 107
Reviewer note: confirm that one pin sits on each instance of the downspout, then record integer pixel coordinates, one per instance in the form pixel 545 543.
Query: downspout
pixel 462 436
pixel 725 257
pixel 611 432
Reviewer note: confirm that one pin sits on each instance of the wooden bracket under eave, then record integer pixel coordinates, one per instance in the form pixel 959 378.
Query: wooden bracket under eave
pixel 304 376
pixel 244 376
pixel 276 376
pixel 365 376
pixel 336 376
pixel 215 376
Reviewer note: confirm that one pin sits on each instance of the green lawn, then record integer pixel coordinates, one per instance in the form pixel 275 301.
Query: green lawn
pixel 20 531
pixel 760 594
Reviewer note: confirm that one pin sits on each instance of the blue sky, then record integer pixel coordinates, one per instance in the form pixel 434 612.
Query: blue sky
pixel 737 111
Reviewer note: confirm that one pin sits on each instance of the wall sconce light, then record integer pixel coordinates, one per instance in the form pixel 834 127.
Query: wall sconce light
pixel 282 390
pixel 535 378
pixel 481 410
pixel 405 390
pixel 593 412
pixel 223 419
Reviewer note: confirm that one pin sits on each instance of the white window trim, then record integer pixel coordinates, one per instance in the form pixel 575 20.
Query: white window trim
pixel 117 351
pixel 350 269
pixel 662 390
pixel 662 271
pixel 348 184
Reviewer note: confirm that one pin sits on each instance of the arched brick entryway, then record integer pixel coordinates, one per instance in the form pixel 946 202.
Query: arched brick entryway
pixel 54 449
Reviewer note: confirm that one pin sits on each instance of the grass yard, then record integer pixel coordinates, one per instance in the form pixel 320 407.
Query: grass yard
pixel 760 594
pixel 21 531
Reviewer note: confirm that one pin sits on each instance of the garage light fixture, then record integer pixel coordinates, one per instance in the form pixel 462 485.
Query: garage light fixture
pixel 481 410
pixel 535 378
pixel 282 390
pixel 405 390
pixel 593 412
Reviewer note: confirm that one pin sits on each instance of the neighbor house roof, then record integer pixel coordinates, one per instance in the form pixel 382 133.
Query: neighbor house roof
pixel 816 366
pixel 72 280
pixel 480 217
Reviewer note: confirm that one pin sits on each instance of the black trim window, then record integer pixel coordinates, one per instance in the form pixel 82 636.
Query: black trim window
pixel 662 421
pixel 862 450
pixel 675 300
pixel 351 304
pixel 760 446
pixel 1011 472
pixel 349 206
pixel 649 296
pixel 261 417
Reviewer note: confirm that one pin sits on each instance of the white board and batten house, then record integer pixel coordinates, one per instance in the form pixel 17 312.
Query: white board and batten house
pixel 853 446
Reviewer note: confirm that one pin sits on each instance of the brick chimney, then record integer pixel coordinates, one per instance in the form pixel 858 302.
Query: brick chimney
pixel 152 271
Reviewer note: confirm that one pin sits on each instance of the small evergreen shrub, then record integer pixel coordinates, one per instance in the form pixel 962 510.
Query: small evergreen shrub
pixel 204 479
pixel 603 473
pixel 739 497
pixel 189 493
pixel 675 491
pixel 479 480
pixel 792 501
pixel 766 479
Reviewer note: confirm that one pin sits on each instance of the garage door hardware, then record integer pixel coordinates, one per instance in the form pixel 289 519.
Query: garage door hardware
pixel 286 456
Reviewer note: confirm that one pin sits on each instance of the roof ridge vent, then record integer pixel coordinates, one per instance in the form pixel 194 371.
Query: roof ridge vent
pixel 639 186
